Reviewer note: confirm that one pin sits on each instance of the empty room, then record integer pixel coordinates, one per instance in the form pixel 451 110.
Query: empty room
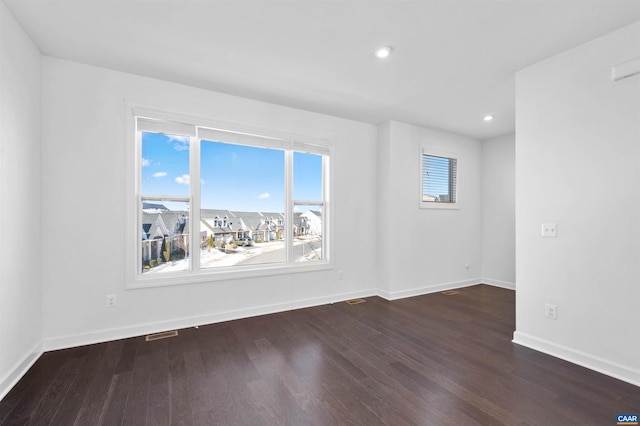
pixel 319 212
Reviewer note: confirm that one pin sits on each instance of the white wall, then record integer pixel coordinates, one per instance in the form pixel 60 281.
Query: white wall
pixel 385 209
pixel 425 250
pixel 578 165
pixel 20 302
pixel 498 211
pixel 84 219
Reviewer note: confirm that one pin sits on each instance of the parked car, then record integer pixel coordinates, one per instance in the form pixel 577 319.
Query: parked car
pixel 244 242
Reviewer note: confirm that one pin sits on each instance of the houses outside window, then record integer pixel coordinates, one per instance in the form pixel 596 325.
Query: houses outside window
pixel 163 203
pixel 213 201
pixel 308 205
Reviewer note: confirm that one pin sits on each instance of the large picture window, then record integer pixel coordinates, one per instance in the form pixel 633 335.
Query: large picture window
pixel 215 201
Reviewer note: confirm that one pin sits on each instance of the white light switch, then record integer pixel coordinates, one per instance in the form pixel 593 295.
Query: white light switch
pixel 549 230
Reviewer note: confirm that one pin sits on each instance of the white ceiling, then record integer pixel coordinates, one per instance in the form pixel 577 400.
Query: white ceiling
pixel 453 61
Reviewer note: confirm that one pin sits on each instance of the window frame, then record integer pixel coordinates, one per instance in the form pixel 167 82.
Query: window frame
pixel 426 150
pixel 288 142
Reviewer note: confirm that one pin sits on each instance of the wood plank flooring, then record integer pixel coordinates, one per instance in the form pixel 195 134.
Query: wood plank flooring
pixel 428 360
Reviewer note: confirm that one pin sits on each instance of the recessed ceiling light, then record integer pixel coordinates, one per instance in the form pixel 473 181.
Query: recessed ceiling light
pixel 383 52
pixel 488 117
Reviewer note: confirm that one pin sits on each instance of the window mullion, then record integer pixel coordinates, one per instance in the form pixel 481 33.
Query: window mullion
pixel 194 205
pixel 138 193
pixel 288 197
pixel 325 207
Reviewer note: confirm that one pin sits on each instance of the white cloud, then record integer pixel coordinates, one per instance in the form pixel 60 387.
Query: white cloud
pixel 181 139
pixel 181 142
pixel 145 162
pixel 264 196
pixel 159 174
pixel 184 179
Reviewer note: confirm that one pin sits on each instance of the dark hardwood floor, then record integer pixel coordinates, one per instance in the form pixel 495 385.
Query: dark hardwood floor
pixel 429 360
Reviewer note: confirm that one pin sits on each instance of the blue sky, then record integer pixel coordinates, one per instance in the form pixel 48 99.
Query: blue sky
pixel 233 177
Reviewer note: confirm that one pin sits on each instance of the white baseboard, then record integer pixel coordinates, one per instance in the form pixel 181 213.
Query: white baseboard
pixel 19 370
pixel 74 340
pixel 498 283
pixel 69 341
pixel 577 357
pixel 419 291
pixel 580 358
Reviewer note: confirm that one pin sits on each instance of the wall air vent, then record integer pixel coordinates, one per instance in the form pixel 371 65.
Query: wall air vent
pixel 162 335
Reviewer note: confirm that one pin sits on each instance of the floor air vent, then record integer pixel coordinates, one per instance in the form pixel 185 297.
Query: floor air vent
pixel 450 292
pixel 355 301
pixel 163 335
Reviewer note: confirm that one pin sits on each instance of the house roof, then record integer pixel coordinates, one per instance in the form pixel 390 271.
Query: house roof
pixel 153 206
pixel 159 221
pixel 165 220
pixel 212 213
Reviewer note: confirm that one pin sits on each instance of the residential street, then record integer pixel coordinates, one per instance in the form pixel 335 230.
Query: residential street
pixel 299 249
pixel 261 253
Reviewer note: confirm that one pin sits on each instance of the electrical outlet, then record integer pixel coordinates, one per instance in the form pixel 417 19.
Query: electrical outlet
pixel 550 311
pixel 549 230
pixel 340 275
pixel 111 300
pixel 466 264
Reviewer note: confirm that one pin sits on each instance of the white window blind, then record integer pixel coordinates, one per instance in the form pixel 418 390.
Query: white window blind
pixel 439 179
pixel 239 138
pixel 153 125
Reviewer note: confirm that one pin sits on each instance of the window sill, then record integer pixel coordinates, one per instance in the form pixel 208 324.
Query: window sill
pixel 440 206
pixel 223 274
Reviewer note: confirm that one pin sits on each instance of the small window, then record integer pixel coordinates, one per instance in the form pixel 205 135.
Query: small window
pixel 439 181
